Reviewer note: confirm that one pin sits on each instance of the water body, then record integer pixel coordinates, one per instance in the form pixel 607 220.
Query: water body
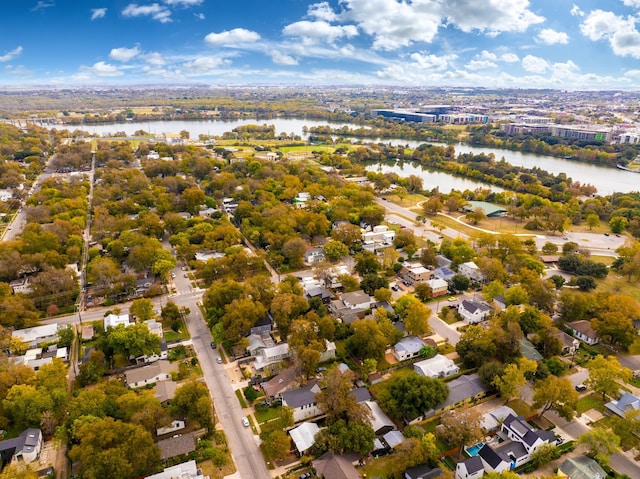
pixel 606 180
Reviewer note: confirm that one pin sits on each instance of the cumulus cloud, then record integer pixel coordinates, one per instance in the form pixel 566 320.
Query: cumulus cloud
pixel 509 57
pixel 426 61
pixel 11 55
pixel 491 16
pixel 564 70
pixel 156 11
pixel 204 65
pixel 551 37
pixel 280 58
pixel 620 32
pixel 312 32
pixel 103 69
pixel 534 64
pixel 576 12
pixel 200 16
pixel 124 54
pixel 154 58
pixel 322 11
pixel 480 65
pixel 98 13
pixel 231 37
pixel 632 3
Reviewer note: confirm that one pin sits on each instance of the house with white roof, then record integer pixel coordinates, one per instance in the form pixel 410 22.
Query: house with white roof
pixel 303 436
pixel 113 320
pixel 379 421
pixel 380 237
pixel 471 271
pixel 408 348
pixel 439 287
pixel 623 406
pixel 151 374
pixel 271 355
pixel 473 312
pixel 436 367
pixel 185 470
pixel 418 274
pixel 37 335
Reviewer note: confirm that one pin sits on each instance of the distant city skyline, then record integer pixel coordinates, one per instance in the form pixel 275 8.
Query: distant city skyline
pixel 574 45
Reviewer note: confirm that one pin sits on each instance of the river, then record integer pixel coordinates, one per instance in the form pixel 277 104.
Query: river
pixel 606 180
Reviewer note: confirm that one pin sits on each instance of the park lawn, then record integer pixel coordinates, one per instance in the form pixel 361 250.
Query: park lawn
pixel 592 401
pixel 617 284
pixel 451 223
pixel 308 148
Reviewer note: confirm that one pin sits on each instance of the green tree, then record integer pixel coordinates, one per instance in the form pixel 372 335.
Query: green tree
pixel 411 395
pixel 142 309
pixel 334 250
pixel 605 375
pixel 544 454
pixel 476 216
pixel 550 248
pixel 93 370
pixel 593 221
pixel 460 282
pixel 557 394
pixel 513 378
pixel 366 263
pixel 132 341
pixel 24 405
pixel 516 295
pixel 192 401
pixel 367 340
pixel 286 308
pixel 337 402
pixel 601 443
pixel 414 314
pixel 112 449
pixel 422 291
pixel 618 224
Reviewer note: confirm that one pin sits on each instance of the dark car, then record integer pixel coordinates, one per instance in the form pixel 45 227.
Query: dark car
pixel 581 388
pixel 213 345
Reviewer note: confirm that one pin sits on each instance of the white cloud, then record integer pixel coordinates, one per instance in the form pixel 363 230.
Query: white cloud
pixel 204 65
pixel 487 56
pixel 480 65
pixel 491 16
pixel 98 13
pixel 425 61
pixel 124 54
pixel 322 11
pixel 42 4
pixel 200 16
pixel 183 3
pixel 103 69
pixel 312 32
pixel 621 32
pixel 632 3
pixel 11 55
pixel 231 37
pixel 534 64
pixel 154 58
pixel 156 11
pixel 576 12
pixel 551 37
pixel 564 70
pixel 509 57
pixel 280 58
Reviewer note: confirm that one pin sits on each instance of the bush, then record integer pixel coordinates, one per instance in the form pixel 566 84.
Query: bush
pixel 250 393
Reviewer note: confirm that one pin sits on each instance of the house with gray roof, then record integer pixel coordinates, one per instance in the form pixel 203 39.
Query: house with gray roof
pixel 177 445
pixel 473 312
pixel 380 422
pixel 422 472
pixel 582 467
pixel 151 374
pixel 464 389
pixel 623 406
pixel 472 468
pixel 408 348
pixel 26 447
pixel 336 466
pixel 444 273
pixel 303 401
pixel 271 355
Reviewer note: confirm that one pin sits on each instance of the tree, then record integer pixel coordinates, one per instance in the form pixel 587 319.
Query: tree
pixel 516 295
pixel 618 224
pixel 334 250
pixel 19 471
pixel 192 401
pixel 240 316
pixel 414 315
pixel 586 283
pixel 93 370
pixel 550 248
pixel 593 221
pixel 366 263
pixel 293 251
pixel 276 444
pixel 170 312
pixel 556 394
pixel 605 375
pixel 422 291
pixel 614 319
pixel 285 309
pixel 513 378
pixel 337 402
pixel 371 282
pixel 142 309
pixel 460 427
pixel 544 454
pixel 409 396
pixel 132 341
pixel 460 282
pixel 476 216
pixel 432 206
pixel 367 340
pixel 25 404
pixel 112 449
pixel 601 443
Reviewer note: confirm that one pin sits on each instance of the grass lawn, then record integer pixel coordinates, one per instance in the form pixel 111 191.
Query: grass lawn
pixel 521 408
pixel 208 469
pixel 591 401
pixel 171 335
pixel 618 284
pixel 267 414
pixel 243 403
pixel 386 466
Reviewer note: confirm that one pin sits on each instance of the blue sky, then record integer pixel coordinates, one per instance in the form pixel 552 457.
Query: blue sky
pixel 581 44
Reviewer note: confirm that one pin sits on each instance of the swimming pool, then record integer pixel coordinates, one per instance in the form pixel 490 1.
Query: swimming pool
pixel 473 450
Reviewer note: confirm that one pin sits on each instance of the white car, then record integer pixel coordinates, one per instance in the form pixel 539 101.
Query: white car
pixel 245 421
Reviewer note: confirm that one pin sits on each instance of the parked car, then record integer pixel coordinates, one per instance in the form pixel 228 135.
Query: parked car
pixel 245 421
pixel 219 360
pixel 581 388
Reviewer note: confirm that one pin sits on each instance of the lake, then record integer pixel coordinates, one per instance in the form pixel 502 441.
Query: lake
pixel 606 180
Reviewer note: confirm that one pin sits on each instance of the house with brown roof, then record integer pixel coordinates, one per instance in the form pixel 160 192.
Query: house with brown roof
pixel 584 331
pixel 336 466
pixel 177 446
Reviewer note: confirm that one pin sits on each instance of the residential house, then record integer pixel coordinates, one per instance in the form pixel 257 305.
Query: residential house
pixel 37 335
pixel 336 466
pixel 26 447
pixel 583 330
pixel 463 389
pixel 361 394
pixel 113 320
pixel 177 445
pixel 258 342
pixel 380 422
pixel 473 312
pixel 624 405
pixel 418 274
pixel 492 420
pixel 436 367
pixel 500 303
pixel 329 353
pixel 581 467
pixel 206 255
pixel 319 292
pixel 529 351
pixel 519 430
pixel 263 326
pixel 422 472
pixel 303 401
pixel 271 355
pixel 471 271
pixel 21 285
pixel 303 436
pixel 185 470
pixel 444 273
pixel 472 468
pixel 165 391
pixel 301 199
pixel 492 461
pixel 5 195
pixel 439 287
pixel 314 255
pixel 275 386
pixel 357 300
pixel 443 261
pixel 151 374
pixel 408 348
pixel 393 438
pixel 380 237
pixel 175 425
